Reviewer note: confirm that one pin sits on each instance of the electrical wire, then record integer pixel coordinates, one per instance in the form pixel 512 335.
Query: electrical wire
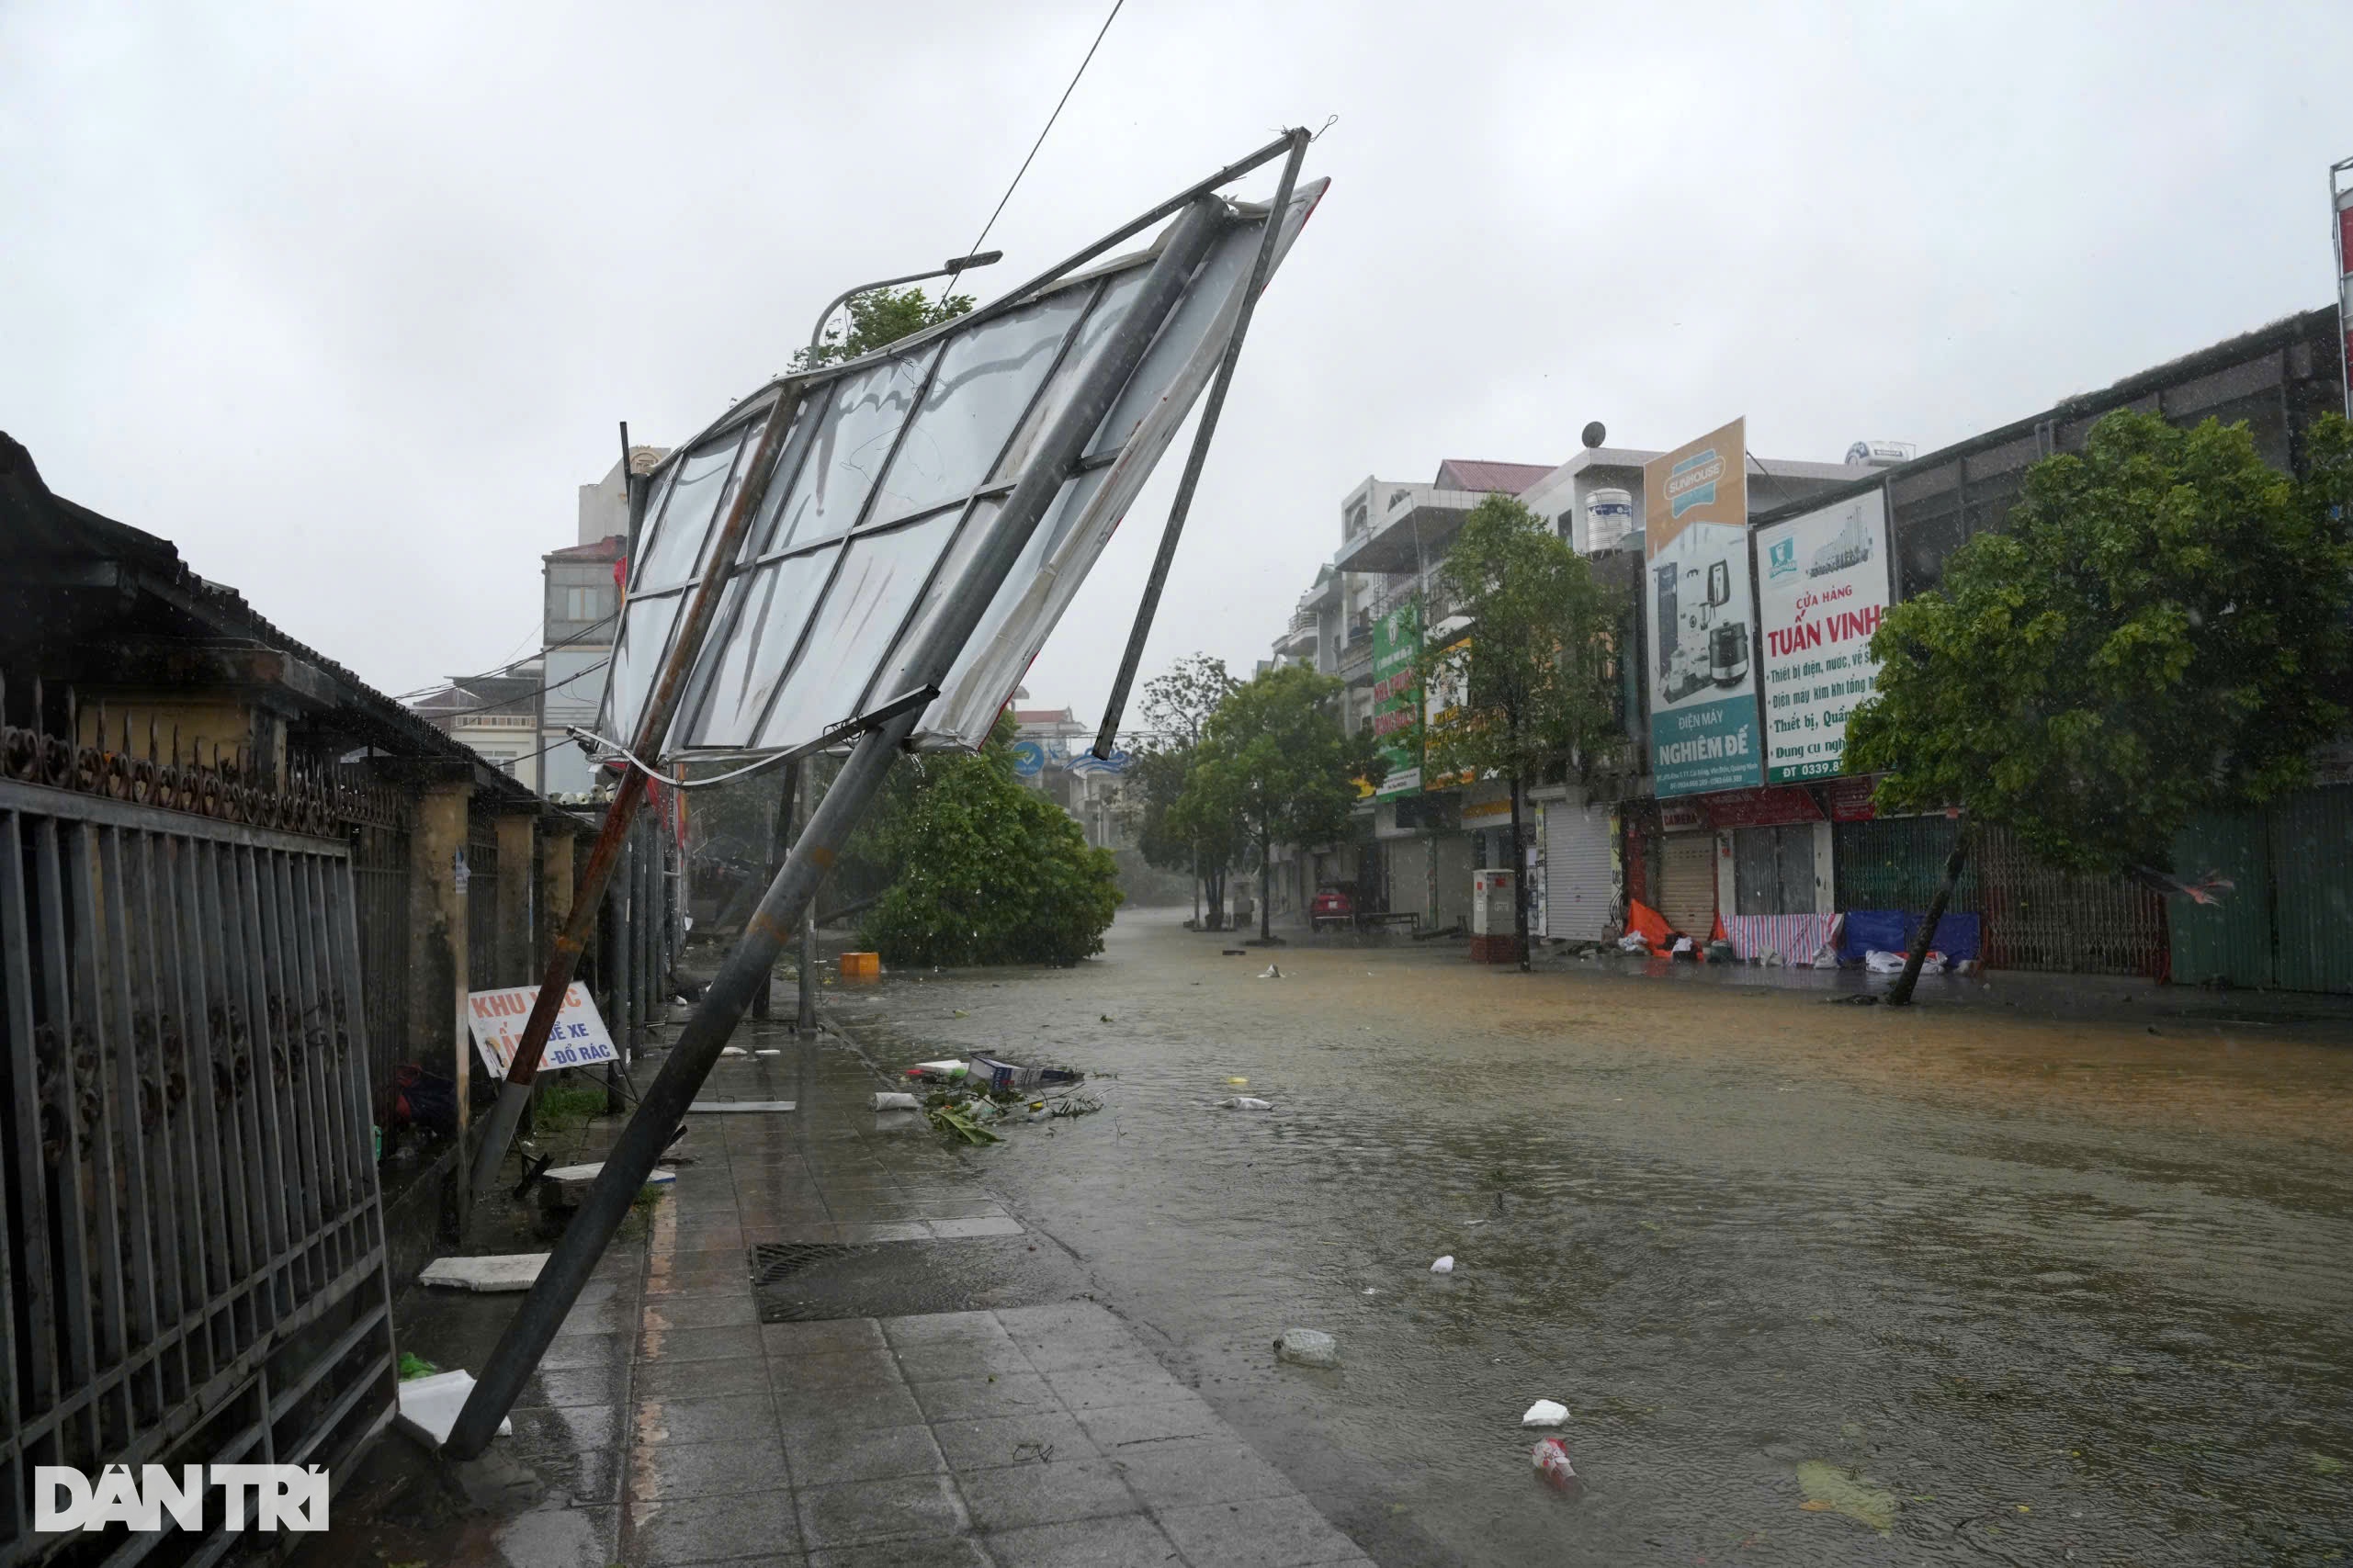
pixel 580 636
pixel 519 696
pixel 974 248
pixel 662 778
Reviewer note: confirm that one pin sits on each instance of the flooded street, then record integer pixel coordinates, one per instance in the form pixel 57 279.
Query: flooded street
pixel 1817 1283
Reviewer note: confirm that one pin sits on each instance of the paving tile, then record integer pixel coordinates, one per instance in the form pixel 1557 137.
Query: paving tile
pixel 1017 1495
pixel 961 1229
pixel 938 1327
pixel 577 1477
pixel 1203 1470
pixel 1128 1383
pixel 1115 1427
pixel 568 1429
pixel 913 1507
pixel 672 1379
pixel 553 1536
pixel 846 1369
pixel 613 1315
pixel 821 1339
pixel 728 1418
pixel 962 1359
pixel 1012 1439
pixel 571 1385
pixel 1128 1540
pixel 958 1551
pixel 701 1312
pixel 832 1456
pixel 732 1341
pixel 1010 1394
pixel 708 1470
pixel 1081 1352
pixel 711 1529
pixel 586 1349
pixel 1059 1317
pixel 1265 1532
pixel 849 1408
pixel 865 1232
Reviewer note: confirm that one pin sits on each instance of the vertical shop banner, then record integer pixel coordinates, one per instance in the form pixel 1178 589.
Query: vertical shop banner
pixel 1442 704
pixel 1699 606
pixel 1397 697
pixel 1824 593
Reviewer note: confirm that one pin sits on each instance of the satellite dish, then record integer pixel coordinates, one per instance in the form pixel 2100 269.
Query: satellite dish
pixel 1595 435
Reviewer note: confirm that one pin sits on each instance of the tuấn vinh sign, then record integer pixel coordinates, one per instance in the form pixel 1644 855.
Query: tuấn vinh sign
pixel 1822 591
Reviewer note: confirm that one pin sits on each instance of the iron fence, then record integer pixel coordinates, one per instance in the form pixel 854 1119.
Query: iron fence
pixel 192 1261
pixel 376 821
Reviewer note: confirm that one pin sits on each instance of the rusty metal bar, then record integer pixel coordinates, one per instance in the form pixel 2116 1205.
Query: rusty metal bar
pixel 653 729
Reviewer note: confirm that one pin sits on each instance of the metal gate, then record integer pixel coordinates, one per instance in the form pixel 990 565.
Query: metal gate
pixel 1895 862
pixel 2037 917
pixel 1772 870
pixel 1687 881
pixel 2312 855
pixel 192 1264
pixel 1579 893
pixel 376 821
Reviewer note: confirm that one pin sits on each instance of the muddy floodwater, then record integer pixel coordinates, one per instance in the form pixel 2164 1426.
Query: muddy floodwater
pixel 1816 1283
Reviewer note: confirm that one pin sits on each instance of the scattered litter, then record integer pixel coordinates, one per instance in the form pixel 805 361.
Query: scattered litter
pixel 1244 1102
pixel 1830 1490
pixel 413 1366
pixel 1444 1265
pixel 1270 973
pixel 1307 1347
pixel 1634 942
pixel 1551 1457
pixel 1003 1075
pixel 897 1102
pixel 1722 952
pixel 1371 1291
pixel 1545 1413
pixel 944 1071
pixel 737 1107
pixel 1108 1019
pixel 1232 952
pixel 734 1051
pixel 498 1271
pixel 1858 999
pixel 1238 1083
pixel 960 1122
pixel 769 1051
pixel 429 1407
pixel 1880 962
pixel 962 1013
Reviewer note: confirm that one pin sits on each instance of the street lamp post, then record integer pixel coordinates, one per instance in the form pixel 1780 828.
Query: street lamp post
pixel 948 269
pixel 805 1014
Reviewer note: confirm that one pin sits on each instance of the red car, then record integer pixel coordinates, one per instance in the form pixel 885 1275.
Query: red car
pixel 1334 901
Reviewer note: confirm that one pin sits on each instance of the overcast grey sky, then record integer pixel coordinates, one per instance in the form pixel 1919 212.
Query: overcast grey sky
pixel 345 299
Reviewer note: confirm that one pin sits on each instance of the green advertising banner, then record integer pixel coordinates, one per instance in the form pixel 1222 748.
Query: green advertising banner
pixel 1396 698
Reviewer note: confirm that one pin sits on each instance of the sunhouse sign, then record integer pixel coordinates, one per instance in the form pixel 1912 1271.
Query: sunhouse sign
pixel 1397 638
pixel 1698 607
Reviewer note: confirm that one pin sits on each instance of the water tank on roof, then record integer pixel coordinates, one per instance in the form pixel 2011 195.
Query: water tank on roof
pixel 1609 518
pixel 1880 453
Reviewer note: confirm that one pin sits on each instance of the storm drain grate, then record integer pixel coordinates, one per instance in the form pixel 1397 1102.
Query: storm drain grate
pixel 774 1262
pixel 819 1281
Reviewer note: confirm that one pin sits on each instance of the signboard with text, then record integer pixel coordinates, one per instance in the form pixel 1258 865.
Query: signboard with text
pixel 1396 696
pixel 578 1040
pixel 1698 607
pixel 1822 593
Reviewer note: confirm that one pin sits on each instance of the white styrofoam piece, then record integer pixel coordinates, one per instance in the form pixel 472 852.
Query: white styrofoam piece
pixel 1545 1412
pixel 566 1175
pixel 429 1406
pixel 502 1272
pixel 718 1107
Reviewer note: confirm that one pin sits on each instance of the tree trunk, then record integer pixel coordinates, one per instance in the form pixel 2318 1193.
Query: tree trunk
pixel 1196 890
pixel 1900 994
pixel 1518 880
pixel 1266 881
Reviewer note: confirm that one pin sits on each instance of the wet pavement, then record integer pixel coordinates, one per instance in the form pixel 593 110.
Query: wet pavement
pixel 1993 1279
pixel 826 1344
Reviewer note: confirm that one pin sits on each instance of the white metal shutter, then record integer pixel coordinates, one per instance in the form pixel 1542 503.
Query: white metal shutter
pixel 1687 883
pixel 1577 891
pixel 1409 877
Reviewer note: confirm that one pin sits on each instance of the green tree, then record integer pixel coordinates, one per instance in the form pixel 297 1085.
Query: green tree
pixel 1534 681
pixel 1175 707
pixel 983 869
pixel 877 318
pixel 2160 630
pixel 1273 757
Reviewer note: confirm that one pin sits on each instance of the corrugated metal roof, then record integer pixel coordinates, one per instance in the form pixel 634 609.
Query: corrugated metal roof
pixel 1483 477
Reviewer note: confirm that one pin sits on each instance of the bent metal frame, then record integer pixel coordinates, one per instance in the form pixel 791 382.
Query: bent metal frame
pixel 895 537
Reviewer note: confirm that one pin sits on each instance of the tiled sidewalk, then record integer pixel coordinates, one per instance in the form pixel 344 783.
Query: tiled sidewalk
pixel 675 1428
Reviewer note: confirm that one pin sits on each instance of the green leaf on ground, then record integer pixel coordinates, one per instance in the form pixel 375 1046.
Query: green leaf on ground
pixel 415 1366
pixel 2323 1464
pixel 1831 1490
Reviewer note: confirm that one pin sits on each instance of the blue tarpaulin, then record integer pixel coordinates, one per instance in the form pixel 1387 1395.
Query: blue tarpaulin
pixel 1891 930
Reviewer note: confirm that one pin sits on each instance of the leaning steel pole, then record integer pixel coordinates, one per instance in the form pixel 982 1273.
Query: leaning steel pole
pixel 827 830
pixel 652 731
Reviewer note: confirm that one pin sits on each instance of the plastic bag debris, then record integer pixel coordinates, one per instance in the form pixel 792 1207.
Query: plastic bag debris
pixel 1444 1265
pixel 1634 942
pixel 1307 1347
pixel 1551 1457
pixel 943 1071
pixel 1270 973
pixel 1883 963
pixel 1244 1102
pixel 734 1051
pixel 897 1102
pixel 1545 1413
pixel 1238 1083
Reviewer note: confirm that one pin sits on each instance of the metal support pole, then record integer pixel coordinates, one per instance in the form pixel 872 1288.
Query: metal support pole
pixel 805 980
pixel 1211 408
pixel 652 732
pixel 780 842
pixel 830 826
